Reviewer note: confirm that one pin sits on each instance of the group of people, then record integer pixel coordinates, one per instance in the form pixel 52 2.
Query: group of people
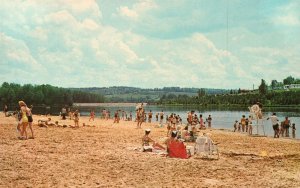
pixel 245 125
pixel 282 128
pixel 24 119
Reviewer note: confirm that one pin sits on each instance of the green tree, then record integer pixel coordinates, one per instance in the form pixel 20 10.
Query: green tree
pixel 288 80
pixel 274 84
pixel 263 88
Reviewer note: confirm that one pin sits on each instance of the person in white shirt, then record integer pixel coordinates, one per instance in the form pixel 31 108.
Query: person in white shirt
pixel 275 124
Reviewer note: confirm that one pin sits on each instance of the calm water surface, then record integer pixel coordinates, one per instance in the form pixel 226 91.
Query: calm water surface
pixel 221 117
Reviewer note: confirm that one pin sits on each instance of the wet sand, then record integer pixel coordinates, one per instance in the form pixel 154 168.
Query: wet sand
pixel 104 156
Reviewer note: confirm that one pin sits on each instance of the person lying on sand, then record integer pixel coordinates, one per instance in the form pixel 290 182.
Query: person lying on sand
pixel 87 125
pixel 146 142
pixel 45 123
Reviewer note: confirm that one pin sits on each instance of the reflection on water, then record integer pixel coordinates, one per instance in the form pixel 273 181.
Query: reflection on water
pixel 223 117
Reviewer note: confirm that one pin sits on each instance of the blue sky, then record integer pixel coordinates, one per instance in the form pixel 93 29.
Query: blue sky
pixel 149 43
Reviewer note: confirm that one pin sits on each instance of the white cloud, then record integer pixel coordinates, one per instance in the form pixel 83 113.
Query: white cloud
pixel 125 11
pixel 288 15
pixel 290 20
pixel 138 9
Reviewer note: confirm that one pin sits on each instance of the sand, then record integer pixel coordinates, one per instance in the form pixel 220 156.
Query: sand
pixel 104 156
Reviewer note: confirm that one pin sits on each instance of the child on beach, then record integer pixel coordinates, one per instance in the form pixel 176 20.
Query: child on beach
pixel 235 125
pixel 293 130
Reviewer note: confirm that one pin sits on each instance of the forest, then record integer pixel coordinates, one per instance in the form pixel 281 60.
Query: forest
pixel 11 93
pixel 269 95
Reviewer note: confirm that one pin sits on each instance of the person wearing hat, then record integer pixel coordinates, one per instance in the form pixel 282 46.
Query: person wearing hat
pixel 146 142
pixel 24 119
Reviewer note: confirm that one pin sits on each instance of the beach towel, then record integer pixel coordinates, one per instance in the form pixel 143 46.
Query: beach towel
pixel 177 150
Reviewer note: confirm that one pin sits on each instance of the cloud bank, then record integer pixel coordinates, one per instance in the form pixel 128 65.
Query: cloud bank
pixel 149 43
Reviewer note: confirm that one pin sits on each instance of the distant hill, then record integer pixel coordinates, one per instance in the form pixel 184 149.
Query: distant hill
pixel 134 94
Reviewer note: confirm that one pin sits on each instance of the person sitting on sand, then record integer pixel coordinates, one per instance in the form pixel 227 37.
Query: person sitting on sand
pixel 176 148
pixel 146 142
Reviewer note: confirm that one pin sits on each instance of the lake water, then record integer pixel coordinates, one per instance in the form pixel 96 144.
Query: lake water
pixel 222 118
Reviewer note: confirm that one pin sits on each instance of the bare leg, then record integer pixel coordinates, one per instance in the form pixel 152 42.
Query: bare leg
pixel 30 127
pixel 24 125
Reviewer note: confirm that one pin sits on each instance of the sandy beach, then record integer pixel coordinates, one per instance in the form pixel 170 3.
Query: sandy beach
pixel 104 156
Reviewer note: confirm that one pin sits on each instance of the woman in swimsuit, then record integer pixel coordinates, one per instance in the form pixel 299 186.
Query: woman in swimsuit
pixel 146 142
pixel 24 119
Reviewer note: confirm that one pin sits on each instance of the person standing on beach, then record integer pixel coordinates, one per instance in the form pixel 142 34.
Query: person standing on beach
pixel 243 122
pixel 24 120
pixel 250 125
pixel 140 113
pixel 116 120
pixel 150 116
pixel 287 124
pixel 294 130
pixel 156 116
pixel 235 125
pixel 201 122
pixel 92 115
pixel 5 110
pixel 70 114
pixel 209 119
pixel 161 114
pixel 30 120
pixel 76 118
pixel 63 113
pixel 275 124
pixel 130 115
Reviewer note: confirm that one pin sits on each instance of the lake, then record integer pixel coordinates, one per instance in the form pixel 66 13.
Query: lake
pixel 222 117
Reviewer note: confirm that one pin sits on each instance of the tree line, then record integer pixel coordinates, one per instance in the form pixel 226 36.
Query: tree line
pixel 11 93
pixel 265 94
